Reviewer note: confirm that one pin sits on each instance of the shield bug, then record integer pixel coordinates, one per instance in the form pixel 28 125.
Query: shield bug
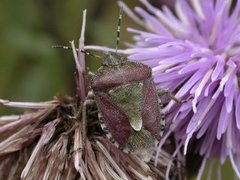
pixel 129 107
pixel 128 103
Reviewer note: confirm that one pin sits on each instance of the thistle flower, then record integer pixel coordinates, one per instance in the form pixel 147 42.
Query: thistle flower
pixel 194 52
pixel 62 139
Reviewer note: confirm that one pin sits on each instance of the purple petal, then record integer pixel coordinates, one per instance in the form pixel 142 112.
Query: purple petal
pixel 188 85
pixel 210 88
pixel 198 116
pixel 191 67
pixel 177 59
pixel 212 114
pixel 207 144
pixel 237 111
pixel 158 27
pixel 218 68
pixel 167 77
pixel 223 121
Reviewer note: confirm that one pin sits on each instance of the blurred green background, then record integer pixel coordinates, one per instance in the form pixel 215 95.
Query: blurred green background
pixel 30 69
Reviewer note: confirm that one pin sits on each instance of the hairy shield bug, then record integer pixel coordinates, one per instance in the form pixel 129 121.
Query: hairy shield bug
pixel 128 103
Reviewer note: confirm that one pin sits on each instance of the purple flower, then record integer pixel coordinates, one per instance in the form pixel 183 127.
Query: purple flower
pixel 195 53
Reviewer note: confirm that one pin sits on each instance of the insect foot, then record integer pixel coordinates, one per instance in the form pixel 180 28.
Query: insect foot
pixel 167 92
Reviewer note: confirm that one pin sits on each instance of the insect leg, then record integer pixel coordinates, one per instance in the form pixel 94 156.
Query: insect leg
pixel 167 92
pixel 162 118
pixel 82 116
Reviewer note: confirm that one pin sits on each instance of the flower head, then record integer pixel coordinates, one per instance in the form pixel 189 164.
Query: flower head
pixel 195 53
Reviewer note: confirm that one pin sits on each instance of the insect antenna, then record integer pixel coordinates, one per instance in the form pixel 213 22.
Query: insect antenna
pixel 119 27
pixel 83 51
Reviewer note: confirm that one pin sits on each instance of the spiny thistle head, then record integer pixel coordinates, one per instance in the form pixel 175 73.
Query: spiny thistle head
pixel 194 52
